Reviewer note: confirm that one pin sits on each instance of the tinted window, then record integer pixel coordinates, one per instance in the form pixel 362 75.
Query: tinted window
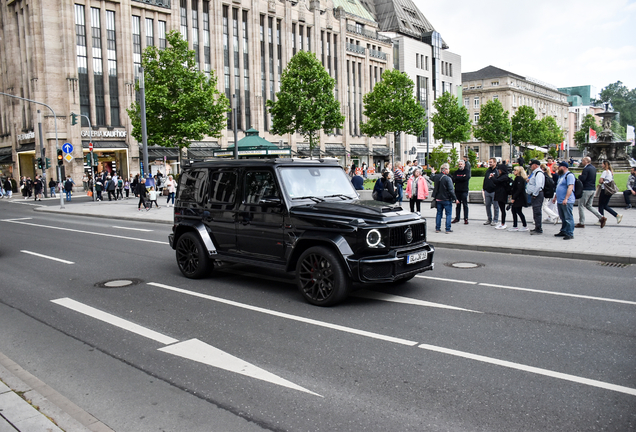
pixel 223 187
pixel 258 185
pixel 193 186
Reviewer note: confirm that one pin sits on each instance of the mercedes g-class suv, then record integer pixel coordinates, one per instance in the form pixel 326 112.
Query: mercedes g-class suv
pixel 296 215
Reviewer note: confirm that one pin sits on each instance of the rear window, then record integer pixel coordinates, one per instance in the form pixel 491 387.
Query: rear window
pixel 194 186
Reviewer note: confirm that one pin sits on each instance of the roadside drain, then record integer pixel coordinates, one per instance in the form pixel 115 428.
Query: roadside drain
pixel 464 265
pixel 118 283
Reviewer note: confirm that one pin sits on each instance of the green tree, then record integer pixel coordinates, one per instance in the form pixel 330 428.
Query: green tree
pixel 623 100
pixel 182 104
pixel 472 158
pixel 391 107
pixel 493 126
pixel 581 136
pixel 453 158
pixel 548 132
pixel 305 103
pixel 438 157
pixel 452 120
pixel 524 126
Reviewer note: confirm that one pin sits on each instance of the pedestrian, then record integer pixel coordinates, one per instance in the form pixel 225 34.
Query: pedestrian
pixel 519 198
pixel 141 192
pixel 134 184
pixel 364 169
pixel 99 187
pixel 564 198
pixel 502 191
pixel 127 187
pixel 357 182
pixel 466 163
pixel 606 182
pixel 110 188
pixel 29 187
pixel 416 190
pixel 8 187
pixel 549 209
pixel 52 186
pixel 631 189
pixel 588 178
pixel 120 188
pixel 412 169
pixel 461 178
pixel 384 190
pixel 534 188
pixel 152 197
pixel 488 192
pixel 352 172
pixel 171 184
pixel 68 187
pixel 444 195
pixel 521 161
pixel 398 176
pixel 23 187
pixel 85 182
pixel 89 185
pixel 38 186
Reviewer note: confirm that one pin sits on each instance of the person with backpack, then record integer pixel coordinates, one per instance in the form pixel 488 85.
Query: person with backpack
pixel 549 209
pixel 99 187
pixel 120 188
pixel 68 187
pixel 534 188
pixel 564 198
pixel 588 178
pixel 518 198
pixel 503 188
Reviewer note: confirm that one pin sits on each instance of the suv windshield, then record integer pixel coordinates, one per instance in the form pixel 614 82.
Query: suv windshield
pixel 319 181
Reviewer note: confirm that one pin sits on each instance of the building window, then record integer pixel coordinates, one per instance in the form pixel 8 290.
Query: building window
pixel 195 33
pixel 226 61
pixel 206 38
pixel 450 69
pixel 113 85
pixel 183 10
pixel 495 151
pixel 136 33
pixel 162 35
pixel 293 38
pixel 301 36
pixel 417 61
pixel 476 103
pixel 426 62
pixel 494 83
pixel 308 39
pixel 237 68
pixel 495 97
pixel 279 54
pixel 421 92
pixel 467 102
pixel 329 53
pixel 476 118
pixel 246 71
pixel 270 46
pixel 354 131
pixel 98 68
pixel 263 74
pixel 82 63
pixel 150 34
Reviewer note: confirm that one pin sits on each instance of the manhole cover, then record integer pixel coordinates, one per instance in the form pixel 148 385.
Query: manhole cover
pixel 118 283
pixel 464 265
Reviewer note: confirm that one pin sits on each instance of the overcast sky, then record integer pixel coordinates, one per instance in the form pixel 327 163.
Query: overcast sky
pixel 562 42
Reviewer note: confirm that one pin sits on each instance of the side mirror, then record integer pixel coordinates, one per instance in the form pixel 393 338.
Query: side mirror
pixel 270 201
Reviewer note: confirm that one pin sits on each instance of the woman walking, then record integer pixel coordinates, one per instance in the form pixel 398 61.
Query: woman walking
pixel 519 199
pixel 604 198
pixel 416 190
pixel 502 188
pixel 172 188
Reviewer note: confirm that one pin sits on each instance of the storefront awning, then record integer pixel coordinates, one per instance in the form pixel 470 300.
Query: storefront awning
pixel 303 150
pixel 335 149
pixel 5 155
pixel 26 148
pixel 381 151
pixel 359 150
pixel 158 152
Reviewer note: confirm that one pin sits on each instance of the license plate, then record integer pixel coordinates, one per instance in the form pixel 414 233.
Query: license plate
pixel 416 257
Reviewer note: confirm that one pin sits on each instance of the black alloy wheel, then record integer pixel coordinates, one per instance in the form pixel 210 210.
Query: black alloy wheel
pixel 321 277
pixel 192 257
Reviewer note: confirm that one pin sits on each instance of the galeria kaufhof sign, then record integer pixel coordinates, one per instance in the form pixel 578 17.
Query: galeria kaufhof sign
pixel 103 134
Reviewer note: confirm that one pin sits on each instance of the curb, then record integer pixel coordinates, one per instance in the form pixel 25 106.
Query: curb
pixel 129 218
pixel 61 411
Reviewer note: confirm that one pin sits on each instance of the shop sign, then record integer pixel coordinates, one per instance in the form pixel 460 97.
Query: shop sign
pixel 252 152
pixel 279 152
pixel 103 134
pixel 26 136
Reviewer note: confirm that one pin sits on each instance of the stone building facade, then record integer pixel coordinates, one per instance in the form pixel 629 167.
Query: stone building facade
pixel 513 91
pixel 84 57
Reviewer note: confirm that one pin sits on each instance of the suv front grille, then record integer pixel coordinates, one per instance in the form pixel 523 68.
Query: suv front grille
pixel 398 237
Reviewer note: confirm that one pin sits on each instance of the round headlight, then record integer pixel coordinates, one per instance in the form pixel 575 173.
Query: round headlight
pixel 373 238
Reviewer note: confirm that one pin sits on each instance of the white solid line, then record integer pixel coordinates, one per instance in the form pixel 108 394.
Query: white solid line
pixel 532 369
pixel 201 352
pixel 85 232
pixel 47 257
pixel 406 300
pixel 288 316
pixel 133 229
pixel 16 219
pixel 446 280
pixel 114 320
pixel 559 293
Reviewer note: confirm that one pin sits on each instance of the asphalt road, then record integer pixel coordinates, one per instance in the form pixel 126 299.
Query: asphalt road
pixel 241 350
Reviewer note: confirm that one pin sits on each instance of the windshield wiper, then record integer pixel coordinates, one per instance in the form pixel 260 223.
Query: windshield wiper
pixel 343 196
pixel 311 197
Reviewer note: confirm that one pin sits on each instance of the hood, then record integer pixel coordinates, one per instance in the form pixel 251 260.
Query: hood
pixel 376 211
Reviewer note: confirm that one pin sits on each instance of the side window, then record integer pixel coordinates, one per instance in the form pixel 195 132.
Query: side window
pixel 194 186
pixel 223 187
pixel 258 185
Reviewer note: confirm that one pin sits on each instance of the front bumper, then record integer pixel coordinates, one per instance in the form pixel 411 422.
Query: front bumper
pixel 391 266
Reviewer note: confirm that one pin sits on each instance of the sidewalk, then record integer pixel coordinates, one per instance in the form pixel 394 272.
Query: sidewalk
pixel 614 243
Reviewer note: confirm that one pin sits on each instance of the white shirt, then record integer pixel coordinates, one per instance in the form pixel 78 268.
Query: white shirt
pixel 607 176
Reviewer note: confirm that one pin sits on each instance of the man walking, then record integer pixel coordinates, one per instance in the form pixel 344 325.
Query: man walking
pixel 565 199
pixel 588 178
pixel 445 196
pixel 534 188
pixel 461 179
pixel 631 189
pixel 488 189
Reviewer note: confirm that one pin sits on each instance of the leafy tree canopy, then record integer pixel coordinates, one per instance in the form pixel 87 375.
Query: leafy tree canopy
pixel 472 158
pixel 452 120
pixel 524 126
pixel 581 136
pixel 438 157
pixel 623 100
pixel 391 107
pixel 493 126
pixel 305 103
pixel 548 132
pixel 182 104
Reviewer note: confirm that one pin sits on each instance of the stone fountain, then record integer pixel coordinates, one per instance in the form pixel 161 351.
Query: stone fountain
pixel 607 147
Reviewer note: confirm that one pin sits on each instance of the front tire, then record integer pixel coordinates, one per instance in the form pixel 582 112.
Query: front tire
pixel 192 257
pixel 321 277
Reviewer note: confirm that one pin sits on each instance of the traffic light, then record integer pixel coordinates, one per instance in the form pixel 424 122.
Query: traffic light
pixel 73 119
pixel 39 163
pixel 48 163
pixel 60 157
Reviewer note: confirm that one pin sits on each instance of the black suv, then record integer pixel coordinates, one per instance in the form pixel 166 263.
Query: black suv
pixel 296 215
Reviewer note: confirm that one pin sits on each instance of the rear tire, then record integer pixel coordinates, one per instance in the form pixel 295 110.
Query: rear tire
pixel 192 258
pixel 321 277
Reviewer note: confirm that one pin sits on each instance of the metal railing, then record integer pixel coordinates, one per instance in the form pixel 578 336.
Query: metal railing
pixel 356 48
pixel 368 33
pixel 160 3
pixel 377 54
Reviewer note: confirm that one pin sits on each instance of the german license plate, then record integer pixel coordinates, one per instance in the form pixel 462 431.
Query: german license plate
pixel 416 257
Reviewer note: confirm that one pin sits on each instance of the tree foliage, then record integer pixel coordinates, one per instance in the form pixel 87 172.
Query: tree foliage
pixel 524 126
pixel 182 104
pixel 452 120
pixel 472 158
pixel 391 107
pixel 623 100
pixel 493 126
pixel 548 132
pixel 581 136
pixel 438 157
pixel 305 103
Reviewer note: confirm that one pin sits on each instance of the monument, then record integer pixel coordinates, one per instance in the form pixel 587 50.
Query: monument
pixel 607 147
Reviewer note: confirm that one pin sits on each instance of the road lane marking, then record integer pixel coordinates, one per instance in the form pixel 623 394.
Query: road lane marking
pixel 84 232
pixel 289 316
pixel 405 300
pixel 47 257
pixel 16 219
pixel 133 229
pixel 192 349
pixel 201 352
pixel 532 369
pixel 446 280
pixel 559 293
pixel 114 320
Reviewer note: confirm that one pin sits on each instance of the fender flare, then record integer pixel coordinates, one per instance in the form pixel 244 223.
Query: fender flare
pixel 334 240
pixel 200 229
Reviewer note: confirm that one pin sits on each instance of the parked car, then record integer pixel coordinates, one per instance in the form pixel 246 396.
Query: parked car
pixel 296 215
